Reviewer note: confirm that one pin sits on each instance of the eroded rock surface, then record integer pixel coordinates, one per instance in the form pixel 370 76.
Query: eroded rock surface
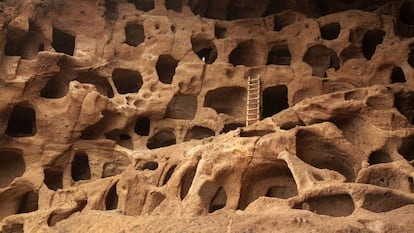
pixel 129 116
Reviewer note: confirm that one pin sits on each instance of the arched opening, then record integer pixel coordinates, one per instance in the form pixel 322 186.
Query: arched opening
pixel 29 202
pixel 321 58
pixel 80 167
pixel 379 156
pixel 227 100
pixel 336 205
pixel 372 38
pixel 160 139
pixel 397 75
pixel 205 50
pixel 175 5
pixel 63 42
pixel 143 5
pixel 270 179
pixel 213 196
pixel 22 122
pixel 127 81
pixel 165 67
pixel 53 179
pixel 321 153
pixel 245 54
pixel 182 107
pixel 12 165
pixel 275 99
pixel 330 31
pixel 111 199
pixel 198 133
pixel 134 34
pixel 142 126
pixel 279 55
pixel 56 87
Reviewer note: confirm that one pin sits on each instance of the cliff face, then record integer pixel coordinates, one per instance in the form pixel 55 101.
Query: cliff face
pixel 130 116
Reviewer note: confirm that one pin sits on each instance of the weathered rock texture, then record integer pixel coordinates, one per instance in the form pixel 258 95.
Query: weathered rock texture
pixel 124 116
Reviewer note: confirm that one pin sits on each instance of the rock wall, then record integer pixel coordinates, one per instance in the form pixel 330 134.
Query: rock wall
pixel 129 116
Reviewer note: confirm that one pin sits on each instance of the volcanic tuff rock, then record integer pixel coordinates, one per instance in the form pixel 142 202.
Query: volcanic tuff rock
pixel 129 116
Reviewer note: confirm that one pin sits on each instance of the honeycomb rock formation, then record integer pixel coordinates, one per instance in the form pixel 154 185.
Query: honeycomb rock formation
pixel 129 116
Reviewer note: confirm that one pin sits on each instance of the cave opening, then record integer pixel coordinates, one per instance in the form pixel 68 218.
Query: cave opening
pixel 162 138
pixel 22 122
pixel 142 126
pixel 379 156
pixel 150 165
pixel 122 139
pixel 244 54
pixel 165 67
pixel 187 181
pixel 63 42
pixel 101 83
pixel 321 58
pixel 213 196
pixel 127 81
pixel 56 87
pixel 330 31
pixel 371 39
pixel 220 32
pixel 335 205
pixel 12 165
pixel 198 133
pixel 80 167
pixel 143 5
pixel 29 202
pixel 111 199
pixel 175 5
pixel 26 46
pixel 407 148
pixel 231 126
pixel 405 19
pixel 403 102
pixel 134 34
pixel 397 75
pixel 275 99
pixel 279 55
pixel 227 100
pixel 205 50
pixel 323 154
pixel 270 179
pixel 53 179
pixel 182 107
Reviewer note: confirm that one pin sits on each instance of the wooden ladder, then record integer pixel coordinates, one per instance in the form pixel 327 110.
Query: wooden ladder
pixel 253 100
